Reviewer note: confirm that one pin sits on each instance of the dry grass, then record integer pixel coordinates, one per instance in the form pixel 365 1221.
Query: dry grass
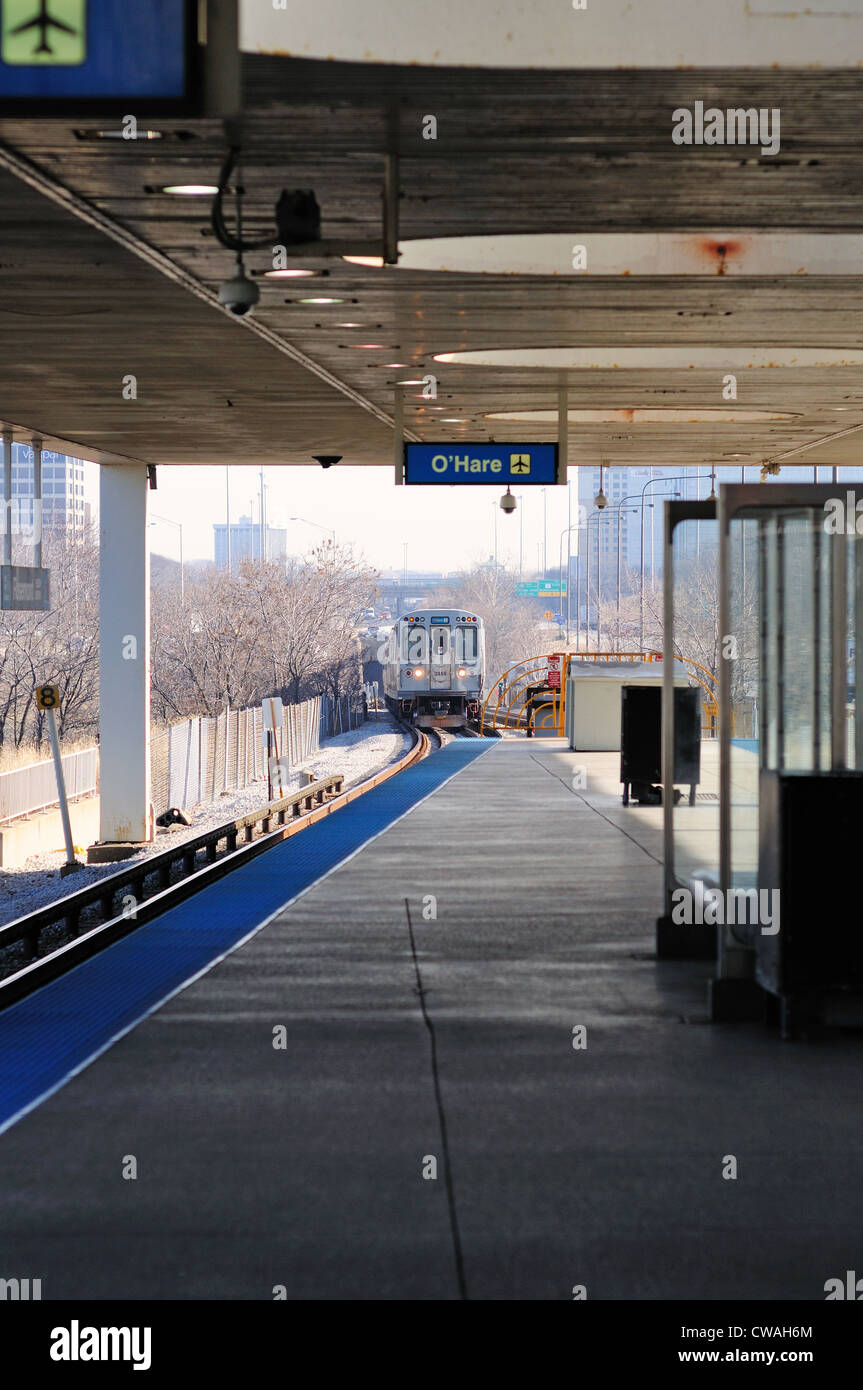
pixel 27 754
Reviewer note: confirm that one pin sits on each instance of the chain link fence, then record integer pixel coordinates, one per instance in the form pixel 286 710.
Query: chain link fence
pixel 195 761
pixel 340 715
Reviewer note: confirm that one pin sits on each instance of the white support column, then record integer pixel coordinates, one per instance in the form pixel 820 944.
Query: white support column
pixel 124 655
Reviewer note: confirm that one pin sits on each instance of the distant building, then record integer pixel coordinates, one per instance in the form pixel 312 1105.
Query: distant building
pixel 246 542
pixel 65 506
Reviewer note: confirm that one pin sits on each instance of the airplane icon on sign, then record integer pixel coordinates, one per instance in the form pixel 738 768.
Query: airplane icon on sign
pixel 519 463
pixel 43 21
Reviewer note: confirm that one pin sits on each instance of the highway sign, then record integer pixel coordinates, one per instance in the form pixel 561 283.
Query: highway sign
pixel 66 55
pixel 24 588
pixel 548 615
pixel 460 462
pixel 541 588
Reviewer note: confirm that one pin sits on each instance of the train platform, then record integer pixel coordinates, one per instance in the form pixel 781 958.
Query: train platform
pixel 360 1081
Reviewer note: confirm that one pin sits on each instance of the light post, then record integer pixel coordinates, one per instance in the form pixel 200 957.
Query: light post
pixel 597 512
pixel 329 530
pixel 648 484
pixel 567 531
pixel 544 533
pixel 520 496
pixel 179 526
pixel 620 507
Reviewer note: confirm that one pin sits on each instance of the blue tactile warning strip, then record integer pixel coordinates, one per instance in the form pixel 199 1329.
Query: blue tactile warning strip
pixel 50 1036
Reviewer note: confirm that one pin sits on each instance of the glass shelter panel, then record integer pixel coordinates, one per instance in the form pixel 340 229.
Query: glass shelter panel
pixel 694 642
pixel 753 552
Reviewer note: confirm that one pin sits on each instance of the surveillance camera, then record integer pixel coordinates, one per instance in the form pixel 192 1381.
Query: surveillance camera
pixel 508 502
pixel 327 460
pixel 239 295
pixel 600 500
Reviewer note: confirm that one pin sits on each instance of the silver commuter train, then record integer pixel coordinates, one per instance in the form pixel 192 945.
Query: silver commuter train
pixel 433 667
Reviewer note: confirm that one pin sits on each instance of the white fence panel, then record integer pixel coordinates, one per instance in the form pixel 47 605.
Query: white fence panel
pixel 25 790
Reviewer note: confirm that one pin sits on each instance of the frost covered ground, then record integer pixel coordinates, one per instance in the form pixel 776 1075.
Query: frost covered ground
pixel 358 754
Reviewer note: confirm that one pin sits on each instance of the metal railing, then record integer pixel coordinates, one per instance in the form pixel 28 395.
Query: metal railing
pixel 191 763
pixel 26 790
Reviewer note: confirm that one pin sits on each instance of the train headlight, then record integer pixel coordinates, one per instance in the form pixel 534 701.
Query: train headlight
pixel 462 672
pixel 419 672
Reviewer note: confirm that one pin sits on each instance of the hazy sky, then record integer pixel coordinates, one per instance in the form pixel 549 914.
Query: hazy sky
pixel 446 528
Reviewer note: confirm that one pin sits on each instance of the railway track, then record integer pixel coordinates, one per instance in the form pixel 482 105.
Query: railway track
pixel 52 940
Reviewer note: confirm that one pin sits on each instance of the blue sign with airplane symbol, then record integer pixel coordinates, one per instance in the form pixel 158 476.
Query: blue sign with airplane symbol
pixel 56 51
pixel 458 462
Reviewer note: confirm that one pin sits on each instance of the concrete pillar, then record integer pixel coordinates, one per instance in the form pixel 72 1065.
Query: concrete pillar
pixel 124 655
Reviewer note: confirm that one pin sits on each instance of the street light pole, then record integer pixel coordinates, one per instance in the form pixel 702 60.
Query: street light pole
pixel 520 496
pixel 648 484
pixel 179 526
pixel 228 516
pixel 567 531
pixel 595 513
pixel 329 530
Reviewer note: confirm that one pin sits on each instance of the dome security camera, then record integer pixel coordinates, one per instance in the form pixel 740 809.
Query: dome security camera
pixel 508 503
pixel 240 295
pixel 327 460
pixel 600 500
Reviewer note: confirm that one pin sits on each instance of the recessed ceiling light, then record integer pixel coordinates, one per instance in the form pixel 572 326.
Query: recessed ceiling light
pixel 350 325
pixel 453 420
pixel 396 364
pixel 118 134
pixel 369 347
pixel 321 300
pixel 289 274
pixel 190 190
pixel 364 260
pixel 414 381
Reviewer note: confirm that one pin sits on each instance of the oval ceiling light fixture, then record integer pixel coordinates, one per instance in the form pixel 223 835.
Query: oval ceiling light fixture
pixel 321 300
pixel 292 274
pixel 191 190
pixel 575 255
pixel 375 261
pixel 731 359
pixel 544 35
pixel 661 415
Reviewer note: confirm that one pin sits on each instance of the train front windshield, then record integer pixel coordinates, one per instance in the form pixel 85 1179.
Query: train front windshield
pixel 467 644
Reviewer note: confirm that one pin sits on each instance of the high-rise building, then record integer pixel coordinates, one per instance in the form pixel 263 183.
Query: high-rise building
pixel 246 542
pixel 65 505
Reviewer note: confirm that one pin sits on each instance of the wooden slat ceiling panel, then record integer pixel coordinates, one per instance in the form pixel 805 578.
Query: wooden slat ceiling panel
pixel 573 153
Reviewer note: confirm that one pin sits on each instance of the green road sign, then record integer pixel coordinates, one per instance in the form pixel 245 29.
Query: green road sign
pixel 44 32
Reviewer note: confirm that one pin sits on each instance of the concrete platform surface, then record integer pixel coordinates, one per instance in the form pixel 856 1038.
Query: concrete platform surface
pixel 533 906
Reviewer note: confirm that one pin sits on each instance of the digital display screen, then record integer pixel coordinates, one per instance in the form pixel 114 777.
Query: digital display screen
pixel 440 620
